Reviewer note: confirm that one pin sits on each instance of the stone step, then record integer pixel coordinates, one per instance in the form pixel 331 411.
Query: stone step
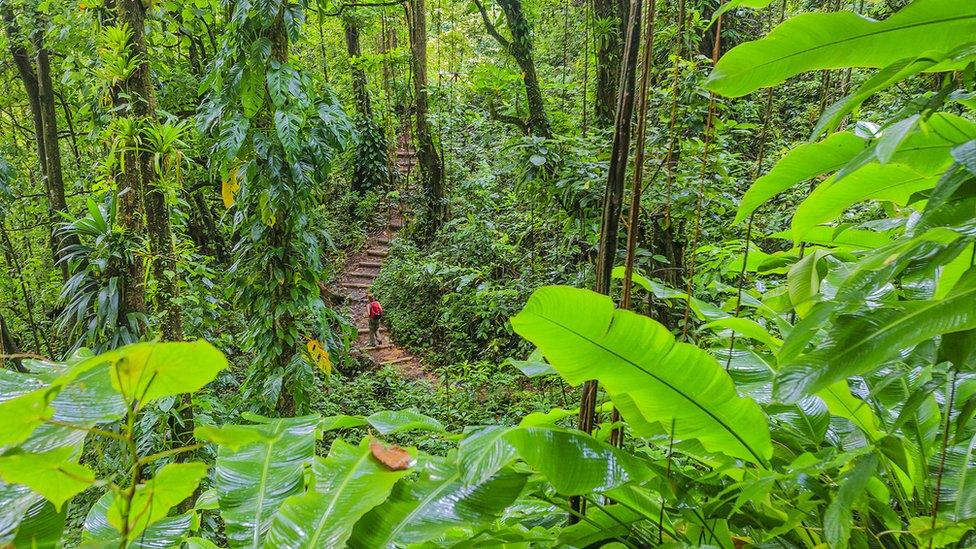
pixel 356 286
pixel 370 265
pixel 377 253
pixel 383 240
pixel 379 347
pixel 397 361
pixel 361 330
pixel 370 276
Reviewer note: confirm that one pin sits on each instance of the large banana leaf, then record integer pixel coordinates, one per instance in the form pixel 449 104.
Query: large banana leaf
pixel 387 422
pixel 258 467
pixel 800 164
pixel 426 508
pixel 348 483
pixel 861 341
pixel 654 381
pixel 885 182
pixel 15 501
pixel 814 41
pixel 572 461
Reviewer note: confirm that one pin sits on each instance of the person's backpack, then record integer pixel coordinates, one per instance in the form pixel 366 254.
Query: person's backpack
pixel 376 309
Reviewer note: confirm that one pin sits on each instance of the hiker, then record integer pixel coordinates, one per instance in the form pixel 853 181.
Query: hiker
pixel 374 311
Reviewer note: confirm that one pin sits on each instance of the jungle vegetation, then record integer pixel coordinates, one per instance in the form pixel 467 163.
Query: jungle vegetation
pixel 694 273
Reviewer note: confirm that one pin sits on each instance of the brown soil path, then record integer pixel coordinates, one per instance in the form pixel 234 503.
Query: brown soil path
pixel 358 275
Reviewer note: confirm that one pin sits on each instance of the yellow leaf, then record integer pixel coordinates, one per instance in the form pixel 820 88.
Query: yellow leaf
pixel 320 356
pixel 229 186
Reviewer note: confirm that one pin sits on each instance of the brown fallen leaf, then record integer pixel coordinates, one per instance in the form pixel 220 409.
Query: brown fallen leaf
pixel 394 457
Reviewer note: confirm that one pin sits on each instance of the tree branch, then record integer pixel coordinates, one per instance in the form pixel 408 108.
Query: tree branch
pixel 508 119
pixel 491 27
pixel 342 7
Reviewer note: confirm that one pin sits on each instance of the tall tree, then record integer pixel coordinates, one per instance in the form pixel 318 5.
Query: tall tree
pixel 520 48
pixel 611 25
pixel 276 141
pixel 370 166
pixel 613 196
pixel 141 105
pixel 40 96
pixel 431 167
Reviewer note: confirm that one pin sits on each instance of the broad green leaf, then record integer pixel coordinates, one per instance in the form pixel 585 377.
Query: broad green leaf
pixel 747 328
pixel 200 543
pixel 814 41
pixel 653 380
pixel 534 366
pixel 885 78
pixel 800 164
pixel 606 522
pixel 145 372
pixel 424 509
pixel 944 534
pixel 840 237
pixel 152 500
pixel 348 483
pixel 803 281
pixel 54 475
pixel 886 182
pixel 733 4
pixel 166 532
pixel 388 422
pixel 257 471
pixel 42 526
pixel 572 461
pixel 841 403
pixel 838 517
pixel 15 501
pixel 20 416
pixel 861 341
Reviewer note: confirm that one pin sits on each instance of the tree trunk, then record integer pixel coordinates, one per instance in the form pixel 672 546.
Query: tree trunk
pixel 609 51
pixel 521 50
pixel 431 169
pixel 613 197
pixel 143 110
pixel 363 107
pixel 8 346
pixel 40 97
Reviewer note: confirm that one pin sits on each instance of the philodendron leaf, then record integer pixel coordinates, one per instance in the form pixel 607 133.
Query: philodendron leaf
pixel 348 483
pixel 165 532
pixel 258 466
pixel 54 475
pixel 144 372
pixel 813 41
pixel 437 501
pixel 860 341
pixel 654 381
pixel 153 500
pixel 572 461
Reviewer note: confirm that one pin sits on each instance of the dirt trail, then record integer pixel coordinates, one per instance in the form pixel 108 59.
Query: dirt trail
pixel 358 275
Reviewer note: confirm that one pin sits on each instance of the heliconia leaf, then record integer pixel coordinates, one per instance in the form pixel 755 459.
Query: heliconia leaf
pixel 841 403
pixel 746 327
pixel 258 466
pixel 388 422
pixel 801 163
pixel 438 501
pixel 42 526
pixel 56 475
pixel 886 77
pixel 814 41
pixel 153 500
pixel 837 518
pixel 15 501
pixel 886 182
pixel 861 341
pixel 348 483
pixel 653 380
pixel 572 461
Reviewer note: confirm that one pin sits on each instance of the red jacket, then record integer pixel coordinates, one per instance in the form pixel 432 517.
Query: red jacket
pixel 374 309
